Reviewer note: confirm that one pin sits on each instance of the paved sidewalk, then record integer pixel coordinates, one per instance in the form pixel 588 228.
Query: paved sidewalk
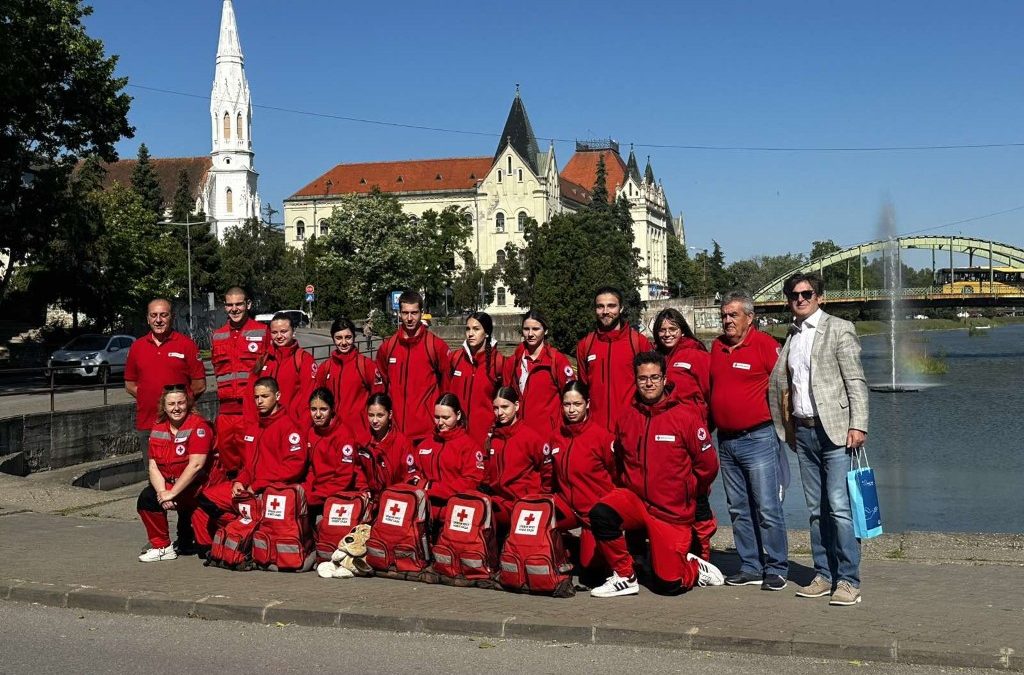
pixel 913 612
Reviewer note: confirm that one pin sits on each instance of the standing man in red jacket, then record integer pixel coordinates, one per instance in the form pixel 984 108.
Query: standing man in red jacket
pixel 604 358
pixel 413 361
pixel 291 366
pixel 236 347
pixel 667 460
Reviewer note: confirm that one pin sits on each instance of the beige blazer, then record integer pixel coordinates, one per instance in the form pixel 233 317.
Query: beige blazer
pixel 837 381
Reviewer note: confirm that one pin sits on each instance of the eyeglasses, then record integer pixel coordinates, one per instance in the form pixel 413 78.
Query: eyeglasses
pixel 652 379
pixel 793 295
pixel 174 387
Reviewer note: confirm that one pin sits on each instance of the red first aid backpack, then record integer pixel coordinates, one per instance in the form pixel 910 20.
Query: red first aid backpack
pixel 398 540
pixel 232 543
pixel 342 512
pixel 466 546
pixel 283 541
pixel 534 559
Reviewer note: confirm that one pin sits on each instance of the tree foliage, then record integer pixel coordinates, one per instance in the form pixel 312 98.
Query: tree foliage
pixel 373 247
pixel 61 101
pixel 754 273
pixel 683 276
pixel 146 184
pixel 205 248
pixel 256 258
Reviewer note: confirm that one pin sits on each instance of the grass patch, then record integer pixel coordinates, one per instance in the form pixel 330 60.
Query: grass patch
pixel 896 554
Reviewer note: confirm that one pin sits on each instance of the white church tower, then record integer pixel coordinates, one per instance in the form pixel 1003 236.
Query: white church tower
pixel 231 195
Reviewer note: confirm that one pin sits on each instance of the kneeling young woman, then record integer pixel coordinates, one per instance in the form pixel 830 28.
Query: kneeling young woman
pixel 392 458
pixel 335 464
pixel 178 448
pixel 450 460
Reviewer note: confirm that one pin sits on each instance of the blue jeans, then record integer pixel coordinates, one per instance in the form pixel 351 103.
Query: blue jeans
pixel 749 465
pixel 823 468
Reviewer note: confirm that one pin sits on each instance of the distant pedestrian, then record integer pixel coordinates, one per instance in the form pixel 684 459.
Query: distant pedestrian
pixel 161 357
pixel 818 388
pixel 742 358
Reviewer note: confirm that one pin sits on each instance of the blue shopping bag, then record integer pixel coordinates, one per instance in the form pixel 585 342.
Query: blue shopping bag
pixel 867 516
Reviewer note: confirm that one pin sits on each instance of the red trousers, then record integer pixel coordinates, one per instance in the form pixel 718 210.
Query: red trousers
pixel 216 508
pixel 230 446
pixel 568 520
pixel 703 531
pixel 154 517
pixel 669 542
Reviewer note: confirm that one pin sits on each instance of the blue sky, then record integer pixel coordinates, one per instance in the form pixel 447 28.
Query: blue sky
pixel 780 74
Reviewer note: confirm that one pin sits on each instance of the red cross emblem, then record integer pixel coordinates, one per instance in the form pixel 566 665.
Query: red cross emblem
pixel 529 519
pixel 274 504
pixel 462 515
pixel 395 508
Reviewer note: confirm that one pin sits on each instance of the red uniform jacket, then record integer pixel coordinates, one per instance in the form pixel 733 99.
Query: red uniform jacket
pixel 475 379
pixel 666 456
pixel 451 462
pixel 413 367
pixel 351 377
pixel 585 466
pixel 171 450
pixel 275 452
pixel 604 360
pixel 393 461
pixel 689 372
pixel 295 371
pixel 540 401
pixel 519 463
pixel 334 462
pixel 234 354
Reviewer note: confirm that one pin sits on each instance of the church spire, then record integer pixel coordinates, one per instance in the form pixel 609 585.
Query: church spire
pixel 229 50
pixel 519 134
pixel 649 172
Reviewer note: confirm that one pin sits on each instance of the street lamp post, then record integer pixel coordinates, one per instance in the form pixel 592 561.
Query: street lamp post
pixel 188 258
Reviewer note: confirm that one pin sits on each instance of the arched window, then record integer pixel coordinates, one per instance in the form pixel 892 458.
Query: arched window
pixel 238 126
pixel 510 164
pixel 300 230
pixel 227 127
pixel 499 222
pixel 500 296
pixel 520 175
pixel 499 175
pixel 229 201
pixel 521 221
pixel 501 256
pixel 323 228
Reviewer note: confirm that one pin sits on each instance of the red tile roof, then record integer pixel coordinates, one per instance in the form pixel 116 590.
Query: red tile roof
pixel 167 170
pixel 582 170
pixel 573 192
pixel 417 175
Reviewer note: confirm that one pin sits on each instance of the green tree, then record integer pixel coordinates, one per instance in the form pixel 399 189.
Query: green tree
pixel 470 281
pixel 599 191
pixel 146 183
pixel 683 276
pixel 373 247
pixel 754 273
pixel 205 248
pixel 60 101
pixel 718 279
pixel 255 257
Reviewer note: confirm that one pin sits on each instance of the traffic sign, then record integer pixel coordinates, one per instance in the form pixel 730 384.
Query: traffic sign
pixel 394 300
pixel 310 297
pixel 309 289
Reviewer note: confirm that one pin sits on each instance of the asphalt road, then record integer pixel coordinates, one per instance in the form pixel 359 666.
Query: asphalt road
pixel 40 639
pixel 22 394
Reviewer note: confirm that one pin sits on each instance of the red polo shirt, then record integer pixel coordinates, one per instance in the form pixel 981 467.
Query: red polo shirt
pixel 739 381
pixel 151 367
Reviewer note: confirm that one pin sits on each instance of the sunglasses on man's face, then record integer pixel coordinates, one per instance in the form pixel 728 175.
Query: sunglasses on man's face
pixel 806 295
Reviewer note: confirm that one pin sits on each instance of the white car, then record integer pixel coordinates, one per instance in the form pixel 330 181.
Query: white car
pixel 91 356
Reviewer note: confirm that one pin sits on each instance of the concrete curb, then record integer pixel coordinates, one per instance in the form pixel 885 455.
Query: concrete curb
pixel 281 611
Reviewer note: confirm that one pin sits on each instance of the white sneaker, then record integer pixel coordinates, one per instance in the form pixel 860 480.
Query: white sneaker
pixel 709 574
pixel 616 586
pixel 158 554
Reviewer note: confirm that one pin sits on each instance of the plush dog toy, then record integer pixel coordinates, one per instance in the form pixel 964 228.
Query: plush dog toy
pixel 348 561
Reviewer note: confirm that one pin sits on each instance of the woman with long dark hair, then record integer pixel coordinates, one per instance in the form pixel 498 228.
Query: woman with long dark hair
pixel 475 372
pixel 350 376
pixel 450 460
pixel 686 358
pixel 392 456
pixel 538 371
pixel 335 465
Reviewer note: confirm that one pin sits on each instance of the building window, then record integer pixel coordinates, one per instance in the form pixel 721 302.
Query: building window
pixel 300 230
pixel 323 228
pixel 238 126
pixel 501 256
pixel 521 221
pixel 520 172
pixel 499 175
pixel 500 296
pixel 510 165
pixel 227 127
pixel 499 222
pixel 229 201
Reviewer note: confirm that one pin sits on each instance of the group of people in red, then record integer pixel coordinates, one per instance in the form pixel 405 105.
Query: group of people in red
pixel 621 442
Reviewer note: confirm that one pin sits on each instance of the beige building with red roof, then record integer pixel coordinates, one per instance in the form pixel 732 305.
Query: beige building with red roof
pixel 500 192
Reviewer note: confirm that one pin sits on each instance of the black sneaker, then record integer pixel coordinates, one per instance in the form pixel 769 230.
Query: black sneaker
pixel 743 579
pixel 773 582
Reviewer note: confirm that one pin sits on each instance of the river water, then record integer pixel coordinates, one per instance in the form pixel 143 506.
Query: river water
pixel 951 456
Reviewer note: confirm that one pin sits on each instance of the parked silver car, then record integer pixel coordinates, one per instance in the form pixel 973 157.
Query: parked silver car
pixel 91 356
